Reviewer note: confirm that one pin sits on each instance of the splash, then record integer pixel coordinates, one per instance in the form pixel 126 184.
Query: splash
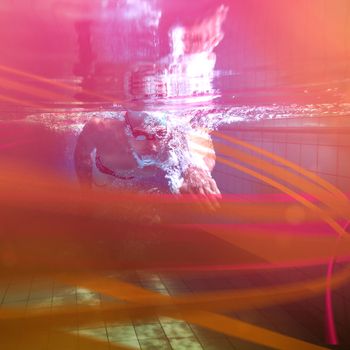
pixel 186 74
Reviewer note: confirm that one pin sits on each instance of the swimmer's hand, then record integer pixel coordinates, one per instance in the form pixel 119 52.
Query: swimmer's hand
pixel 199 183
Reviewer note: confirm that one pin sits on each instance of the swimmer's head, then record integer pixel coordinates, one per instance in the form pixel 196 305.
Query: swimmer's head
pixel 149 126
pixel 147 134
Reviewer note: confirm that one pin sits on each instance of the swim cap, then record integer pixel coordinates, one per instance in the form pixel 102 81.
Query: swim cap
pixel 150 121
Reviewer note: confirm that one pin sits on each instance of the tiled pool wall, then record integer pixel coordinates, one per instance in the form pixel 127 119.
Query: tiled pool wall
pixel 320 145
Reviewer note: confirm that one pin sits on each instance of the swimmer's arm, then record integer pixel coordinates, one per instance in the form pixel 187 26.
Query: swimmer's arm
pixel 197 178
pixel 203 147
pixel 201 150
pixel 86 143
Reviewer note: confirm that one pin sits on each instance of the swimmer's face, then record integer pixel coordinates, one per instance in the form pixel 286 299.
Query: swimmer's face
pixel 147 136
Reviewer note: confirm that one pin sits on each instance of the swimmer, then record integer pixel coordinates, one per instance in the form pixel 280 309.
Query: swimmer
pixel 130 151
pixel 137 151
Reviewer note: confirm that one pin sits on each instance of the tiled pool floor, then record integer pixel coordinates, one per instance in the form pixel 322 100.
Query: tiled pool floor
pixel 303 319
